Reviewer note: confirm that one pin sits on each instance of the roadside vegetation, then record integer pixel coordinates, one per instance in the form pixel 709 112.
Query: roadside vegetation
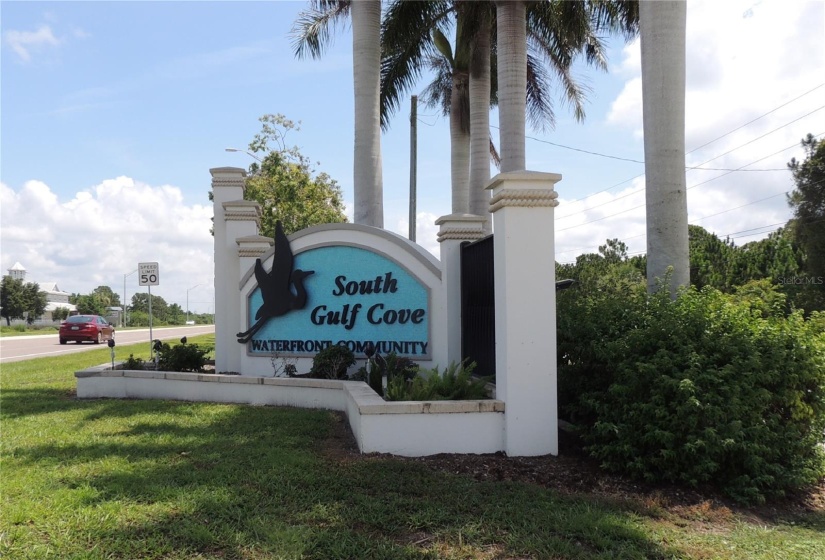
pixel 722 385
pixel 22 330
pixel 179 480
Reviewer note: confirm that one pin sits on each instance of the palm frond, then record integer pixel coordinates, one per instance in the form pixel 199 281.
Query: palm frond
pixel 406 44
pixel 437 93
pixel 312 31
pixel 494 155
pixel 540 112
pixel 615 16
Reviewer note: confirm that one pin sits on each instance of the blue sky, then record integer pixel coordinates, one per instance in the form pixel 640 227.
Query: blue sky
pixel 114 112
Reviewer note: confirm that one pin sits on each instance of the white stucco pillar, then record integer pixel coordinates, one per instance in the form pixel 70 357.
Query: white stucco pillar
pixel 227 185
pixel 243 218
pixel 454 230
pixel 525 297
pixel 250 248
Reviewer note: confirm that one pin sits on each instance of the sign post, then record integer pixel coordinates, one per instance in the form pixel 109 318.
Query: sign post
pixel 149 275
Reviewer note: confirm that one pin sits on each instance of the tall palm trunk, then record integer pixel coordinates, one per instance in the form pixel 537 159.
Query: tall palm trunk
pixel 459 144
pixel 512 82
pixel 366 64
pixel 662 28
pixel 480 121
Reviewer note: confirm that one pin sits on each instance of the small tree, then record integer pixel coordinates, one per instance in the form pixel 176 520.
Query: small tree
pixel 12 299
pixel 140 303
pixel 88 304
pixel 36 301
pixel 286 185
pixel 106 296
pixel 808 203
pixel 175 314
pixel 19 300
pixel 60 314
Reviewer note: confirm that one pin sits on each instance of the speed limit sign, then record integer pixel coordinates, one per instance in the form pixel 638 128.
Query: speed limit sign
pixel 148 274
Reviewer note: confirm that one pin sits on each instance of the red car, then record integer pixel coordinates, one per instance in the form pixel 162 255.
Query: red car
pixel 93 328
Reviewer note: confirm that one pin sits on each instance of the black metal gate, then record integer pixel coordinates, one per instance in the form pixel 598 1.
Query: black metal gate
pixel 478 310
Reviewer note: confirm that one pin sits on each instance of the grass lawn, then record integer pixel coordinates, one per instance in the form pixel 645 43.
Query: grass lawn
pixel 26 331
pixel 128 479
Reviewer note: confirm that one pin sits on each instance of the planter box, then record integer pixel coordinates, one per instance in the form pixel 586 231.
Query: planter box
pixel 412 428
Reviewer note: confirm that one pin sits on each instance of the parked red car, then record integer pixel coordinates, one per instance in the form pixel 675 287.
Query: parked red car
pixel 93 328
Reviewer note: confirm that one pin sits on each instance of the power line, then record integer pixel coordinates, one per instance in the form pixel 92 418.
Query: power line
pixel 694 149
pixel 631 193
pixel 766 134
pixel 738 207
pixel 756 119
pixel 642 189
pixel 582 151
pixel 751 163
pixel 605 190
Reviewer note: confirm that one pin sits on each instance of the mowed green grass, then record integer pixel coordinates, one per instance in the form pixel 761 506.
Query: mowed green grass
pixel 124 479
pixel 17 331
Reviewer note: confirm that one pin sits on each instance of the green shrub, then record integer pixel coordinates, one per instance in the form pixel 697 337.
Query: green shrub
pixel 391 366
pixel 133 363
pixel 332 362
pixel 588 315
pixel 707 389
pixel 182 357
pixel 456 383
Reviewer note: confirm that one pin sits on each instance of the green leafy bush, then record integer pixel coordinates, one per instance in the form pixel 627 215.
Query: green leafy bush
pixel 456 383
pixel 332 362
pixel 182 357
pixel 391 366
pixel 133 363
pixel 706 389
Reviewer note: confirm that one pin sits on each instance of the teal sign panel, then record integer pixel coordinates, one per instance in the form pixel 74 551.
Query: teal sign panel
pixel 353 297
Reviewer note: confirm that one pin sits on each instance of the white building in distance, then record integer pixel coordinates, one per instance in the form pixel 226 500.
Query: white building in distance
pixel 55 297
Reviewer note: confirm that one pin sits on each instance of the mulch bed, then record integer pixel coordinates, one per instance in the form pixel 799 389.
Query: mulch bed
pixel 573 472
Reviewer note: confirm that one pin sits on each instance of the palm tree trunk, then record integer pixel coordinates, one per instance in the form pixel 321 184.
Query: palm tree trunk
pixel 366 64
pixel 480 123
pixel 512 82
pixel 459 145
pixel 662 28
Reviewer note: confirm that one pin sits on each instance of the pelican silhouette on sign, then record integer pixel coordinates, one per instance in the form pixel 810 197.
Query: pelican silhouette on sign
pixel 277 286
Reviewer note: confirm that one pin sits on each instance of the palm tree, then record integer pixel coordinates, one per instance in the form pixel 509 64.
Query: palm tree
pixel 456 67
pixel 556 33
pixel 511 28
pixel 561 30
pixel 312 33
pixel 663 101
pixel 479 92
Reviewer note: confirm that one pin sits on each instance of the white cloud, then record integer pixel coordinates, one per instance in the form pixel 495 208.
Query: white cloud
pixel 24 42
pixel 426 232
pixel 103 232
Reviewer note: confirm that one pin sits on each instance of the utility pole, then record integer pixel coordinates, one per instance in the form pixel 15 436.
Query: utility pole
pixel 413 162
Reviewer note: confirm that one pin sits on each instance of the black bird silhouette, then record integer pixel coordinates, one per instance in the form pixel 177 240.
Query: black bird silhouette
pixel 183 340
pixel 276 286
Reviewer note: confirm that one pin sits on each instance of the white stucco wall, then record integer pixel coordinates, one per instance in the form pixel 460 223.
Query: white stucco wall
pixel 412 429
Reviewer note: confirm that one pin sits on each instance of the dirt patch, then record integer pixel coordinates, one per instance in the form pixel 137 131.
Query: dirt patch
pixel 573 472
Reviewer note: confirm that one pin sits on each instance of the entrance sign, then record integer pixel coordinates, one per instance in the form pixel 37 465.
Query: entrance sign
pixel 148 274
pixel 352 297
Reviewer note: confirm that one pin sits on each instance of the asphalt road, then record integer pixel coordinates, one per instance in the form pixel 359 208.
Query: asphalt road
pixel 18 348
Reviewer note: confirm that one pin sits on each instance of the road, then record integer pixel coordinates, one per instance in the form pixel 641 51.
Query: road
pixel 18 348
